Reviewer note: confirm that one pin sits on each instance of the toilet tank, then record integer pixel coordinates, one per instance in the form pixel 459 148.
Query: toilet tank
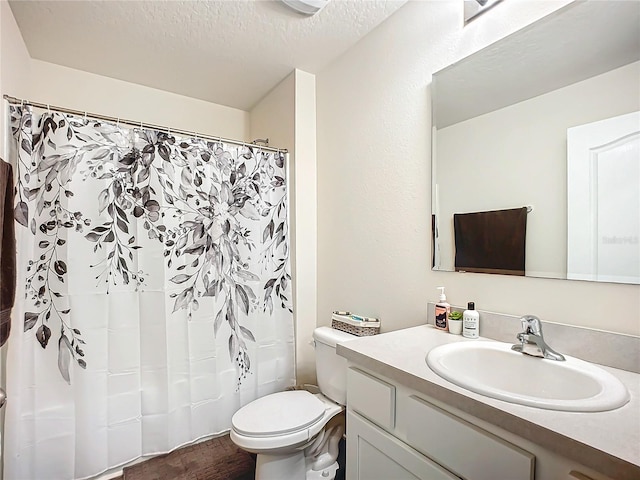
pixel 331 368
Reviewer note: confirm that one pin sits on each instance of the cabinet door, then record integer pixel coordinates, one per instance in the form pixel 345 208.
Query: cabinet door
pixel 373 454
pixel 460 446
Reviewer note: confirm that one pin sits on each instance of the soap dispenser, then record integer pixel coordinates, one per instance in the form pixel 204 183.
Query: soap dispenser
pixel 442 311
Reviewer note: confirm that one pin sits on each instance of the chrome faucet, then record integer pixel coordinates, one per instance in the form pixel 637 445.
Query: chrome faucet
pixel 532 342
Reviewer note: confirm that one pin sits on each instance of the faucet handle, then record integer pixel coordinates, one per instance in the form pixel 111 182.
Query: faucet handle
pixel 531 325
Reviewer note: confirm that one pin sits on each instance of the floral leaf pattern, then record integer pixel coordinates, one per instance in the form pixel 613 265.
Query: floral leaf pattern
pixel 219 213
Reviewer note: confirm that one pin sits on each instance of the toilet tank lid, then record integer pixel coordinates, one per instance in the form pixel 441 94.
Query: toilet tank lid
pixel 330 336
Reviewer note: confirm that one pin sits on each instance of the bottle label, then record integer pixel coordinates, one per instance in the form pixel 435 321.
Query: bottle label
pixel 441 317
pixel 470 327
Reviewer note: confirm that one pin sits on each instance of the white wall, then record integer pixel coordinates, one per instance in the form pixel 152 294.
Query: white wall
pixel 79 90
pixel 15 63
pixel 526 163
pixel 374 182
pixel 14 79
pixel 287 116
pixel 306 225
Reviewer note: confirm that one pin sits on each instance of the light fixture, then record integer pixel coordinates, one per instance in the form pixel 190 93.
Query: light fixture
pixel 473 8
pixel 307 7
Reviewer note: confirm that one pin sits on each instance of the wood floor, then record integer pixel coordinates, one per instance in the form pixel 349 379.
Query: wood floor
pixel 215 459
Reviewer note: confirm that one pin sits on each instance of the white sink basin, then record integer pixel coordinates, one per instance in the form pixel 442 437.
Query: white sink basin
pixel 493 369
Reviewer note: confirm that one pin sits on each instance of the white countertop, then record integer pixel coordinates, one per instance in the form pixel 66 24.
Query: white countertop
pixel 608 442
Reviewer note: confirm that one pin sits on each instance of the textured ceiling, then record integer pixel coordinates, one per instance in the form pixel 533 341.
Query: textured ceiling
pixel 227 52
pixel 573 44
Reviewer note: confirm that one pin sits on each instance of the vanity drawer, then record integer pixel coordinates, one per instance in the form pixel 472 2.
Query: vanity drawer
pixel 461 447
pixel 371 397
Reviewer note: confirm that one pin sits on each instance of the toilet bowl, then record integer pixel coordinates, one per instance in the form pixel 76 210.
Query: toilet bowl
pixel 295 434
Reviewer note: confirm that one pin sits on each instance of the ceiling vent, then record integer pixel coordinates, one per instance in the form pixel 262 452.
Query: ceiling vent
pixel 307 7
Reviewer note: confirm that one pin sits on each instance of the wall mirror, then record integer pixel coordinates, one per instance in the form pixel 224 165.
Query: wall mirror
pixel 545 122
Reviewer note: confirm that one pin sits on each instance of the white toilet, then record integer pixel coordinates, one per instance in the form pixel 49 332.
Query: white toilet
pixel 295 434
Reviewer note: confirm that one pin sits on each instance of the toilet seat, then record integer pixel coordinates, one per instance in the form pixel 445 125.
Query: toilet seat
pixel 279 414
pixel 281 422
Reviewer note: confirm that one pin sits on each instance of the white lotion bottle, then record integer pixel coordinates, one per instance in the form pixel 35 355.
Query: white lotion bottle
pixel 470 321
pixel 442 311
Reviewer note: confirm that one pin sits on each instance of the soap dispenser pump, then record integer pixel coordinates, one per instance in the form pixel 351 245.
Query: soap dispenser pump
pixel 442 311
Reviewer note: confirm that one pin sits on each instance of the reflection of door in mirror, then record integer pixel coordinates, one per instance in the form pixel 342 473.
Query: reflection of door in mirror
pixel 603 228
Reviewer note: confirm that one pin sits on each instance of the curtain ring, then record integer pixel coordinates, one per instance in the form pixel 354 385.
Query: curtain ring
pixel 48 108
pixel 85 116
pixel 118 122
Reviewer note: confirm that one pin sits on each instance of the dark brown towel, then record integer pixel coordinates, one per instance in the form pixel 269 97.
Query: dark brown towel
pixel 7 251
pixel 491 242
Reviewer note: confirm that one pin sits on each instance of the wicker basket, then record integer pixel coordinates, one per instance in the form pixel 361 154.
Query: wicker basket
pixel 359 328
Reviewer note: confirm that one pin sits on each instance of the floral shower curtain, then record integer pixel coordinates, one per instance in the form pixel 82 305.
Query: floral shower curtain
pixel 156 294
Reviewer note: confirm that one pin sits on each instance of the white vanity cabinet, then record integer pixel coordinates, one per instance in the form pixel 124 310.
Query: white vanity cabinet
pixel 394 433
pixel 402 402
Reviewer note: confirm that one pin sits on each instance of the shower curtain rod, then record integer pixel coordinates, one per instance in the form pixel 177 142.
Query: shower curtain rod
pixel 97 116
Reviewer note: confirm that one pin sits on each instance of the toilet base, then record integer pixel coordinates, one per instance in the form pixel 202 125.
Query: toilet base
pixel 277 467
pixel 315 461
pixel 328 473
pixel 292 466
